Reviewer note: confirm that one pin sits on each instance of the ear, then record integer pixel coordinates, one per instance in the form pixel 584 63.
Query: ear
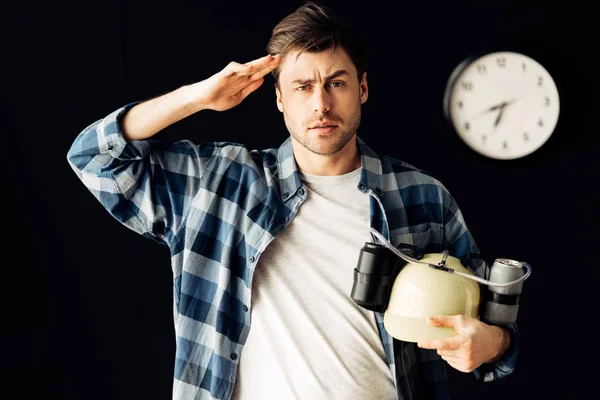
pixel 278 101
pixel 364 88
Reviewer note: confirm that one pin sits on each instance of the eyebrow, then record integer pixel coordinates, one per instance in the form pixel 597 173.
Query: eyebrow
pixel 327 78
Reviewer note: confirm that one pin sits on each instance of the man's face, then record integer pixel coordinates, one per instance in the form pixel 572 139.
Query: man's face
pixel 320 97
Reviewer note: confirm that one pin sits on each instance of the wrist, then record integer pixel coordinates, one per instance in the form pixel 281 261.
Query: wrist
pixel 193 102
pixel 504 340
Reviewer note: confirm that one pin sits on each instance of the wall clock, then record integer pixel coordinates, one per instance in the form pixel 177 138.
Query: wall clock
pixel 504 105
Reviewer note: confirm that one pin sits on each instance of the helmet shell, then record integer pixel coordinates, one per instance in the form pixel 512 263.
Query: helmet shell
pixel 420 291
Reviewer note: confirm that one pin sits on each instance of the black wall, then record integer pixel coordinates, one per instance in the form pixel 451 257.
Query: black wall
pixel 87 310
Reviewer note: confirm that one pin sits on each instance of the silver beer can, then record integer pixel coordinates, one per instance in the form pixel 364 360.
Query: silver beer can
pixel 502 305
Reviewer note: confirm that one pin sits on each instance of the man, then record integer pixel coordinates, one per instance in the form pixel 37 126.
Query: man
pixel 263 243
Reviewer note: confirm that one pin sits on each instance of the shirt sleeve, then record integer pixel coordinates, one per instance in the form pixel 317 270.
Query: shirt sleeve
pixel 147 185
pixel 460 241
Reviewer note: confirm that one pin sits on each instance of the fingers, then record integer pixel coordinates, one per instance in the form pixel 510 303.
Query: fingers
pixel 450 358
pixel 444 320
pixel 253 69
pixel 432 344
pixel 458 362
pixel 264 61
pixel 450 343
pixel 448 354
pixel 251 88
pixel 262 68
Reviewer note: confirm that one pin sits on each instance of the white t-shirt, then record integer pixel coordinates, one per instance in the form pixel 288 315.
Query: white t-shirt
pixel 308 339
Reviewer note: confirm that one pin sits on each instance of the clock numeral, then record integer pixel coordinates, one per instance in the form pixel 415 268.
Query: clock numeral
pixel 483 138
pixel 501 61
pixel 505 145
pixel 526 136
pixel 540 80
pixel 547 101
pixel 468 86
pixel 540 122
pixel 460 104
pixel 524 67
pixel 467 126
pixel 481 69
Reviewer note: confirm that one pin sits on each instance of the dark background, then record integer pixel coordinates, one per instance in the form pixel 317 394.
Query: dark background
pixel 87 304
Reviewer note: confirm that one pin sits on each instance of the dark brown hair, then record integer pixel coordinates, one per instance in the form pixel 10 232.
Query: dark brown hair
pixel 315 28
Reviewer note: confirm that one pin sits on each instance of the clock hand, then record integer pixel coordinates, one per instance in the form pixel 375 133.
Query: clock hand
pixel 501 107
pixel 499 117
pixel 498 106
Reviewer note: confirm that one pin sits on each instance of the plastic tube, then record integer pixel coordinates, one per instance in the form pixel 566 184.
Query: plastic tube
pixel 442 267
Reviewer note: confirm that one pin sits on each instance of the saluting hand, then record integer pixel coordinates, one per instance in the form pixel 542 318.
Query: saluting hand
pixel 230 86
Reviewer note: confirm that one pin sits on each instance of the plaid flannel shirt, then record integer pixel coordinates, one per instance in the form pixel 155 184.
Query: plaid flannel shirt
pixel 217 206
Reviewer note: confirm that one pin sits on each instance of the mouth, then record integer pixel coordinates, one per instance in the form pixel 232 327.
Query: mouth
pixel 323 129
pixel 323 126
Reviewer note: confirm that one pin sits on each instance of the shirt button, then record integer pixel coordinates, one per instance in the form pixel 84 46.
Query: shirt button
pixel 361 186
pixel 252 259
pixel 285 195
pixel 301 191
pixel 245 308
pixel 233 356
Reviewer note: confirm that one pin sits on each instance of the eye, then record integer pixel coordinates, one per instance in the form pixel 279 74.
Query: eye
pixel 337 84
pixel 301 88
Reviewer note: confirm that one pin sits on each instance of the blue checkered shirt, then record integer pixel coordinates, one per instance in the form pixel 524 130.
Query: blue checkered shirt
pixel 218 205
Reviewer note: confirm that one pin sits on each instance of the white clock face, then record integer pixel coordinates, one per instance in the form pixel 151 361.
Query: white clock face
pixel 504 105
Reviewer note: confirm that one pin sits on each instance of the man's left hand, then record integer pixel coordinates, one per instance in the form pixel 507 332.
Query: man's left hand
pixel 475 344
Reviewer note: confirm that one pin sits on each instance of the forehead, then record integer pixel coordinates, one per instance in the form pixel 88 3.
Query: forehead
pixel 315 65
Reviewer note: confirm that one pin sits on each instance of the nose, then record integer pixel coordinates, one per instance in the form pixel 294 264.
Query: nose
pixel 321 101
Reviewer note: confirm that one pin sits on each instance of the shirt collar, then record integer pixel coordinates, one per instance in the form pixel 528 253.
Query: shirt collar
pixel 371 176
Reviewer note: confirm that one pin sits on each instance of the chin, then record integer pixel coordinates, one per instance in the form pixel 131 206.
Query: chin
pixel 327 149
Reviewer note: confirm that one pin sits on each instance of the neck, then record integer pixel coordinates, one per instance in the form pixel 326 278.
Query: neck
pixel 344 161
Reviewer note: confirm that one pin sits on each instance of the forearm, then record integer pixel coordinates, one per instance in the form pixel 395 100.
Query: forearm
pixel 150 117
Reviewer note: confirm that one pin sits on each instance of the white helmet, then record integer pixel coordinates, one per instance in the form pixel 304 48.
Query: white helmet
pixel 420 291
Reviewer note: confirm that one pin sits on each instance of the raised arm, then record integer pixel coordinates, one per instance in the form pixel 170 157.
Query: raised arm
pixel 149 185
pixel 222 91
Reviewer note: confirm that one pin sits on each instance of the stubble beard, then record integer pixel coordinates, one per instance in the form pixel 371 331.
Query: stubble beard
pixel 331 144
